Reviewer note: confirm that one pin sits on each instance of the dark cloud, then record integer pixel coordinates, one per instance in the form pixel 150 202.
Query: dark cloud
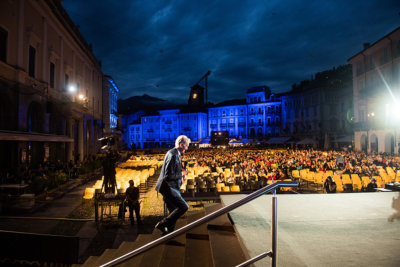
pixel 161 48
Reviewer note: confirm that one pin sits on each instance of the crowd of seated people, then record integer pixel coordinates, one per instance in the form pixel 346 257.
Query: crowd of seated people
pixel 253 168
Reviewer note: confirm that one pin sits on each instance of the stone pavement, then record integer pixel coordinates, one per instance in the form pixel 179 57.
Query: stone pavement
pixel 347 229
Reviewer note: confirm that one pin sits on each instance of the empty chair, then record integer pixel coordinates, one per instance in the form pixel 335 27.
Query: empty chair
pixel 219 186
pixel 235 188
pixel 226 189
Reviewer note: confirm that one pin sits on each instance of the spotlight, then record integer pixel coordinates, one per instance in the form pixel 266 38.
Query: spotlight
pixel 81 97
pixel 72 89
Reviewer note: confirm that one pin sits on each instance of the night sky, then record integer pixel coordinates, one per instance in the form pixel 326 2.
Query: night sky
pixel 161 48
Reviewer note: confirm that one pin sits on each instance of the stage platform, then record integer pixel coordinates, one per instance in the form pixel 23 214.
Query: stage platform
pixel 348 229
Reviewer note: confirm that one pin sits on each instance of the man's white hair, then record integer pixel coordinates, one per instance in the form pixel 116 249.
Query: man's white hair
pixel 182 139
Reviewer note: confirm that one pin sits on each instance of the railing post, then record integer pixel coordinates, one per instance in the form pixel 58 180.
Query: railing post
pixel 274 229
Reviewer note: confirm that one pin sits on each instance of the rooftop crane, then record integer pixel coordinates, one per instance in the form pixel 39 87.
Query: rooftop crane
pixel 206 87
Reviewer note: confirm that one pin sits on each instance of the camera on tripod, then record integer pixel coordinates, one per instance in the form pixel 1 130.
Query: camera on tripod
pixel 107 143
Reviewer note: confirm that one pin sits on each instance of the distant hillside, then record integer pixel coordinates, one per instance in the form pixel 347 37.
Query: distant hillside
pixel 144 102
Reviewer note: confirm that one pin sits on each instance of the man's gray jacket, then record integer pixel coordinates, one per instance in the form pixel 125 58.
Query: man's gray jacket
pixel 171 171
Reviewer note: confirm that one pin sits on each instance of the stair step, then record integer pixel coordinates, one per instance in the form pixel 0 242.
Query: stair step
pixel 223 236
pixel 129 246
pixel 174 250
pixel 90 261
pixel 198 250
pixel 154 257
pixel 107 256
pixel 222 222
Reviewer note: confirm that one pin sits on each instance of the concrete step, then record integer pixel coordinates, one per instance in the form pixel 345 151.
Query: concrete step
pixel 90 261
pixel 154 257
pixel 174 251
pixel 129 246
pixel 107 255
pixel 198 250
pixel 226 248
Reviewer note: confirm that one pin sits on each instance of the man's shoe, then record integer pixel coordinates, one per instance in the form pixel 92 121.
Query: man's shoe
pixel 161 226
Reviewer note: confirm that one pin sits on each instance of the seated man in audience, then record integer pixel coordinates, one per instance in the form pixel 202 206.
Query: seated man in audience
pixel 372 185
pixel 236 168
pixel 330 185
pixel 262 179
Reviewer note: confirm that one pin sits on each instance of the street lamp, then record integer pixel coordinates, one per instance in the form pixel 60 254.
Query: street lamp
pixel 72 88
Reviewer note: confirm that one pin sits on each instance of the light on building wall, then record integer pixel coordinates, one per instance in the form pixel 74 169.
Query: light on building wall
pixel 81 97
pixel 194 96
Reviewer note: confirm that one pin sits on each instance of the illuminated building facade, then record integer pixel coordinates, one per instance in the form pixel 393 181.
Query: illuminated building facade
pixel 110 113
pixel 51 86
pixel 376 85
pixel 258 117
pixel 163 129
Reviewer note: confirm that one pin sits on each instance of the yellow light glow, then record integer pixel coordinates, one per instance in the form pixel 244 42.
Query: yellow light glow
pixel 81 97
pixel 194 96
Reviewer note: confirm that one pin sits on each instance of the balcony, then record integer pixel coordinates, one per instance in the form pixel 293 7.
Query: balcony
pixel 168 122
pixel 223 125
pixel 187 129
pixel 212 126
pixel 231 124
pixel 242 124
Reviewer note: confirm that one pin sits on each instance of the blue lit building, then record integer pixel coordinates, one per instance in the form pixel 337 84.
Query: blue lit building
pixel 257 117
pixel 162 129
pixel 110 95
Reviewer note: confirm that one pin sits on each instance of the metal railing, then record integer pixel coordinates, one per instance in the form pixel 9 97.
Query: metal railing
pixel 215 214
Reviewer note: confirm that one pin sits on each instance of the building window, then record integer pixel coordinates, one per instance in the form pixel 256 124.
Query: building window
pixel 371 61
pixel 32 55
pixel 52 66
pixel 3 44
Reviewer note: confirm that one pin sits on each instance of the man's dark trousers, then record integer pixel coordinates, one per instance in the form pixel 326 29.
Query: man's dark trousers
pixel 136 207
pixel 176 205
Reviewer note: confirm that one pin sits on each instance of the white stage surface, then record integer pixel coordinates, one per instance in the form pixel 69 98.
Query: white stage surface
pixel 347 229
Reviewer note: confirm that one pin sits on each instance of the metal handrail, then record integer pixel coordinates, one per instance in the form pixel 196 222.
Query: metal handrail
pixel 202 220
pixel 256 258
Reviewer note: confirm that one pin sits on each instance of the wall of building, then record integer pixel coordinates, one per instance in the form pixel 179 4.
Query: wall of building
pixel 39 98
pixel 376 83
